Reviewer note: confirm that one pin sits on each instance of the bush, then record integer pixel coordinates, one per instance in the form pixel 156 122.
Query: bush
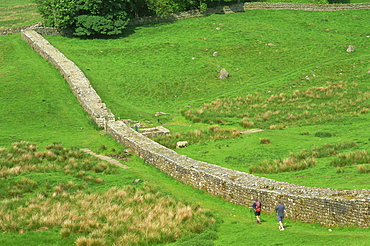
pixel 323 134
pixel 85 17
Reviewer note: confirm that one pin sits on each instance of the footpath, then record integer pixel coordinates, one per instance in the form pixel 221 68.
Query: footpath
pixel 106 158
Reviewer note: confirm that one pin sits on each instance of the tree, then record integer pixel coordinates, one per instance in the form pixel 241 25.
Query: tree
pixel 165 7
pixel 100 17
pixel 86 17
pixel 57 13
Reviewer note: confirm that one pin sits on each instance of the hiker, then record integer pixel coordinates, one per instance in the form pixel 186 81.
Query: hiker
pixel 280 209
pixel 257 210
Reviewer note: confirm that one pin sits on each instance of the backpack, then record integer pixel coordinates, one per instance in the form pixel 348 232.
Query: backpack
pixel 258 207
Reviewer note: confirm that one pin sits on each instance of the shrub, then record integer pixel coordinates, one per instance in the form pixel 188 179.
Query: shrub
pixel 323 134
pixel 85 18
pixel 265 141
pixel 352 158
pixel 363 168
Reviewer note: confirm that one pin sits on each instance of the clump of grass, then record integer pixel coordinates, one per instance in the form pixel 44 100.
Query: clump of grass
pixel 23 157
pixel 301 160
pixel 307 106
pixel 352 158
pixel 363 168
pixel 122 216
pixel 323 134
pixel 290 164
pixel 265 141
pixel 131 215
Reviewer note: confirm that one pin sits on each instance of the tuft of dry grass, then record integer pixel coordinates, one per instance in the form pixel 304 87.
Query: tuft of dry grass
pixel 306 158
pixel 265 141
pixel 321 103
pixel 130 215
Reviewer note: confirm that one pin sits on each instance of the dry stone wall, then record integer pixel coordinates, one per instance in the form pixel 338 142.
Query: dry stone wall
pixel 241 7
pixel 80 85
pixel 328 207
pixel 18 29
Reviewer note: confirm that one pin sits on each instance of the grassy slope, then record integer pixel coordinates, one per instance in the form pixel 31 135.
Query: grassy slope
pixel 151 69
pixel 158 63
pixel 236 230
pixel 18 13
pixel 237 227
pixel 38 109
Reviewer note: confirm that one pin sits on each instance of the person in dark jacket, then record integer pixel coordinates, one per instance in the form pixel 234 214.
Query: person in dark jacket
pixel 257 205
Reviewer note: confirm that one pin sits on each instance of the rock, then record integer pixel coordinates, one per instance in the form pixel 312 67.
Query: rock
pixel 160 113
pixel 215 53
pixel 223 74
pixel 136 181
pixel 350 49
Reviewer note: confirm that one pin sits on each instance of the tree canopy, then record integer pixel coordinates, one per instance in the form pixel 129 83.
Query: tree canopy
pixel 86 17
pixel 109 17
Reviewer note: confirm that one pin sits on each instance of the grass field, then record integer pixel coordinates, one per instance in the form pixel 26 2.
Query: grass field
pixel 292 65
pixel 18 13
pixel 44 111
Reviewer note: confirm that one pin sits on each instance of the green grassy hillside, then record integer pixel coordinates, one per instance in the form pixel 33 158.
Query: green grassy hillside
pixel 37 105
pixel 18 13
pixel 289 71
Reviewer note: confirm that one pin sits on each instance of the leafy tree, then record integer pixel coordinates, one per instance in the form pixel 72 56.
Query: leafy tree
pixel 57 13
pixel 100 17
pixel 86 17
pixel 165 7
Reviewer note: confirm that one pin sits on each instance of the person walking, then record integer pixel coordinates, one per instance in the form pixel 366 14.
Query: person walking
pixel 257 210
pixel 280 210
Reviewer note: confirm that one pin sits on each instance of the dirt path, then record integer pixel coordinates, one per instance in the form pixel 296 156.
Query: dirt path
pixel 106 158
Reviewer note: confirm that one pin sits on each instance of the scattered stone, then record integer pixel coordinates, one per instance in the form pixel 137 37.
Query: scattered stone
pixel 155 131
pixel 127 152
pixel 270 44
pixel 136 181
pixel 128 122
pixel 350 49
pixel 139 125
pixel 160 113
pixel 215 53
pixel 223 74
pixel 217 28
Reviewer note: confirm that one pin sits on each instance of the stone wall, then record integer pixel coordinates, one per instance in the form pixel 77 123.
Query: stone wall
pixel 18 29
pixel 328 207
pixel 80 85
pixel 241 7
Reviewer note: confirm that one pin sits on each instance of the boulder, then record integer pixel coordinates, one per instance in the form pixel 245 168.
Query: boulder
pixel 223 74
pixel 350 49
